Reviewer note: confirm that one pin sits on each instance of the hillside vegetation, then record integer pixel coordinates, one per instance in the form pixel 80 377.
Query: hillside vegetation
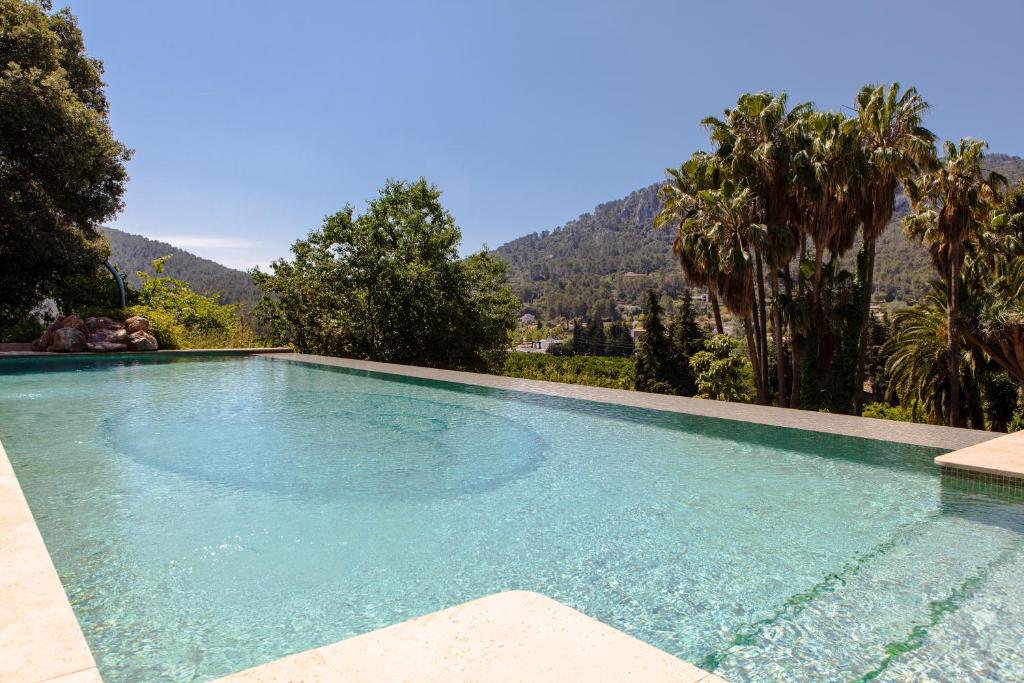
pixel 613 254
pixel 132 253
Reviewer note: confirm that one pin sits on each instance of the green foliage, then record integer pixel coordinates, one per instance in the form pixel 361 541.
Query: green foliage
pixel 595 371
pixel 180 318
pixel 653 352
pixel 685 338
pixel 388 285
pixel 884 411
pixel 721 374
pixel 61 170
pixel 24 330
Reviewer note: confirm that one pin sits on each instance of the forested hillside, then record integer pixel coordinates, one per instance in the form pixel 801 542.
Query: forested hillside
pixel 132 253
pixel 612 255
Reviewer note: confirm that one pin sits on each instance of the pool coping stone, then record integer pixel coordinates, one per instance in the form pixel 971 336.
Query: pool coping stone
pixel 509 636
pixel 40 638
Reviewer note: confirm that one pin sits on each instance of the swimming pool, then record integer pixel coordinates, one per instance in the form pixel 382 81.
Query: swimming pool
pixel 209 515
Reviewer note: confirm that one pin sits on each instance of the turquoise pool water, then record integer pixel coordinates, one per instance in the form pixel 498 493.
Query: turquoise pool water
pixel 207 516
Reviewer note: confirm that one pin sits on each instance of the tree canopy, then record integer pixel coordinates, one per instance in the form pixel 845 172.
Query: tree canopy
pixel 61 169
pixel 389 285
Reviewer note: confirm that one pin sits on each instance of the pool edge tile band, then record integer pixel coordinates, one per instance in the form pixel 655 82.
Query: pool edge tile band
pixel 40 638
pixel 910 433
pixel 513 635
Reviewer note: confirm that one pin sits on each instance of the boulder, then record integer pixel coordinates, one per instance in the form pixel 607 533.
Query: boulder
pixel 72 322
pixel 115 335
pixel 43 342
pixel 141 341
pixel 137 324
pixel 68 340
pixel 105 347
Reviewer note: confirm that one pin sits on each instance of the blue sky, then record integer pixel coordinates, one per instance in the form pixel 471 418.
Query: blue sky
pixel 252 120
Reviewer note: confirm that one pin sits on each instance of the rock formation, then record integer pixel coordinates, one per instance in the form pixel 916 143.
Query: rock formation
pixel 100 335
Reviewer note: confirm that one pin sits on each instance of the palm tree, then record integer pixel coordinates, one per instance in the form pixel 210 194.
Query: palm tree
pixel 827 169
pixel 756 141
pixel 995 267
pixel 919 362
pixel 720 223
pixel 896 147
pixel 679 202
pixel 951 206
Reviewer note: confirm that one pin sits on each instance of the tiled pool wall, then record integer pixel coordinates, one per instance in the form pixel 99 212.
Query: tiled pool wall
pixel 1008 487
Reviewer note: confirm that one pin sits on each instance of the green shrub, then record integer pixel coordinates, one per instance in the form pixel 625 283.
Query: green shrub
pixel 180 318
pixel 883 411
pixel 596 371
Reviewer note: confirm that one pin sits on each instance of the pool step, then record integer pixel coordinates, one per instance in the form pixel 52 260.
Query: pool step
pixel 863 622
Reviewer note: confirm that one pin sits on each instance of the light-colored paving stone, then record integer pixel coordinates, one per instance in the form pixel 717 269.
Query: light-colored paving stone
pixel 513 636
pixel 40 639
pixel 847 425
pixel 1003 456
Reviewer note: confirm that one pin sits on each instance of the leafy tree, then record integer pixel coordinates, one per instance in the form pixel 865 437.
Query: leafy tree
pixel 952 206
pixel 652 351
pixel 388 285
pixel 720 373
pixel 180 318
pixel 61 170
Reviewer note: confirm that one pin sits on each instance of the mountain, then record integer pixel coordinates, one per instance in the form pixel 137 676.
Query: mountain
pixel 132 253
pixel 609 257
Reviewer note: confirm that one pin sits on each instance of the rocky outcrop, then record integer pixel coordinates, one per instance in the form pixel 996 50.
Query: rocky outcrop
pixel 71 334
pixel 68 340
pixel 141 341
pixel 136 324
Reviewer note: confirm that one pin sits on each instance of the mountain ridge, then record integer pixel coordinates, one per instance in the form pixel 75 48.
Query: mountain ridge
pixel 605 259
pixel 132 253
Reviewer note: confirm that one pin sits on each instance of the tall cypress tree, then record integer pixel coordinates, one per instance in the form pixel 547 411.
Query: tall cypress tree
pixel 652 351
pixel 686 337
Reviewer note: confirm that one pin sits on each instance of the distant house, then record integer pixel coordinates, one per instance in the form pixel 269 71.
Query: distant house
pixel 527 319
pixel 537 346
pixel 637 331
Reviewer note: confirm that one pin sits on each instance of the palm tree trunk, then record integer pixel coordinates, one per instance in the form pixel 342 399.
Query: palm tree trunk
pixel 763 312
pixel 713 298
pixel 794 338
pixel 780 358
pixel 953 336
pixel 755 363
pixel 868 279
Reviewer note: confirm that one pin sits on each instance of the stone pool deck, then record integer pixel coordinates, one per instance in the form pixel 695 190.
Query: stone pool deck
pixel 512 636
pixel 40 639
pixel 515 636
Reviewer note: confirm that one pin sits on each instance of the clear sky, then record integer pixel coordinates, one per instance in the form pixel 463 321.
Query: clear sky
pixel 252 120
